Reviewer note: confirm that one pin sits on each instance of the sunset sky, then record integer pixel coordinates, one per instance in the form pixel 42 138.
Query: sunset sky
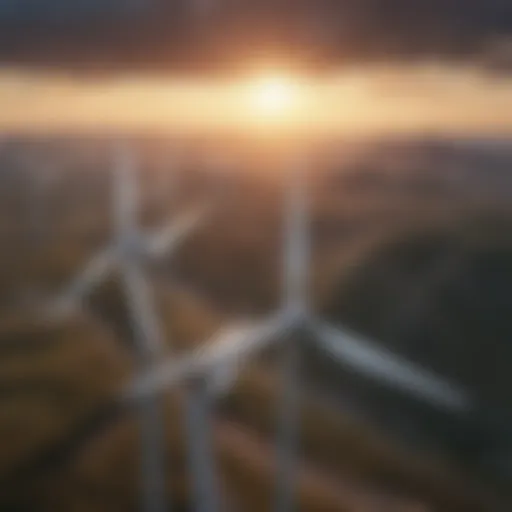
pixel 356 100
pixel 187 66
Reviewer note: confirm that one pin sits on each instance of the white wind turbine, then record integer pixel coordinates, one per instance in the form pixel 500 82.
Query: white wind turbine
pixel 293 321
pixel 127 252
pixel 153 245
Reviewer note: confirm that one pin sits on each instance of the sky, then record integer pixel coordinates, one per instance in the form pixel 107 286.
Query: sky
pixel 359 100
pixel 352 66
pixel 212 34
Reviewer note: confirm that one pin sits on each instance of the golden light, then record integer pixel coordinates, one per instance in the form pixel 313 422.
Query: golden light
pixel 274 96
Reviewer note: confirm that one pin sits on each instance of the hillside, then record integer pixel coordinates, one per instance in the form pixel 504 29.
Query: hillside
pixel 411 246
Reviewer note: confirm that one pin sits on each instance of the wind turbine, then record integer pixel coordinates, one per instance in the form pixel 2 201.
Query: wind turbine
pixel 147 246
pixel 237 343
pixel 128 252
pixel 218 360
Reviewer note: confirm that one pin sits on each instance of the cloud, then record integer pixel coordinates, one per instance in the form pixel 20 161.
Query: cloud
pixel 497 55
pixel 210 35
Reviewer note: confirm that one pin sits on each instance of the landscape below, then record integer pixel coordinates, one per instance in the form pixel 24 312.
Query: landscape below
pixel 412 246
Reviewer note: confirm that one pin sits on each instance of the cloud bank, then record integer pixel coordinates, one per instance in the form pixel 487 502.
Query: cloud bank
pixel 219 35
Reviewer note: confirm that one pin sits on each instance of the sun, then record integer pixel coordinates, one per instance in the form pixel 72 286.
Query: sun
pixel 274 96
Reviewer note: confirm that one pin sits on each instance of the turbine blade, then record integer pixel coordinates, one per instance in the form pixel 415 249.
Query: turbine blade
pixel 230 347
pixel 297 241
pixel 148 335
pixel 92 274
pixel 223 378
pixel 125 200
pixel 176 231
pixel 380 364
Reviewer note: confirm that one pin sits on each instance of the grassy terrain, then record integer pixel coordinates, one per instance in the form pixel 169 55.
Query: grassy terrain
pixel 413 259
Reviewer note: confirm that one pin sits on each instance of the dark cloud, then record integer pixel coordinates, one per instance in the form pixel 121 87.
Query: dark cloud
pixel 209 35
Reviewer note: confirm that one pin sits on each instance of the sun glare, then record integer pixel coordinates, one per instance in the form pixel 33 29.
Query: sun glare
pixel 274 96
